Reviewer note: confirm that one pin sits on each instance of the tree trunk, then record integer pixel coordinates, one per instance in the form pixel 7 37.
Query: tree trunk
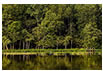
pixel 28 44
pixel 23 44
pixel 71 44
pixel 57 45
pixel 20 44
pixel 43 47
pixel 6 47
pixel 65 46
pixel 13 45
pixel 10 46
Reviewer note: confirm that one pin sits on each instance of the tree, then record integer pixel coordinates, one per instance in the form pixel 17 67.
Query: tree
pixel 59 41
pixel 91 35
pixel 13 31
pixel 67 41
pixel 5 41
pixel 28 26
pixel 47 41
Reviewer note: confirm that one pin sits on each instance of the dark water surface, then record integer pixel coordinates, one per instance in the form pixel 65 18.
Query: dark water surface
pixel 51 62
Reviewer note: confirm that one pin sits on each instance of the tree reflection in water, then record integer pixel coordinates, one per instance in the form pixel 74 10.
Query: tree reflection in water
pixel 66 62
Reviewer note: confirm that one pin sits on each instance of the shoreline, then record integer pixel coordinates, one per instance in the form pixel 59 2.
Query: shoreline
pixel 51 51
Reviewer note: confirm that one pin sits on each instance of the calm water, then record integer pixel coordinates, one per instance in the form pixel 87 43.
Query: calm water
pixel 51 62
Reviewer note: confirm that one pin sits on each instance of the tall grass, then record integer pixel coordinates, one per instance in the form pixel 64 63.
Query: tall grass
pixel 50 50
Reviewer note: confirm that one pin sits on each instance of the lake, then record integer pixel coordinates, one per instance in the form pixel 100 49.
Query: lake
pixel 52 62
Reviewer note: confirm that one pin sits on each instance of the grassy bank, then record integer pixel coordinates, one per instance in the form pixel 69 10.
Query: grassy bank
pixel 38 51
pixel 52 50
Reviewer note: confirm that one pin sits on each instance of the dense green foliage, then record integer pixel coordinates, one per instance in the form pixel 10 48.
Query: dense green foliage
pixel 51 26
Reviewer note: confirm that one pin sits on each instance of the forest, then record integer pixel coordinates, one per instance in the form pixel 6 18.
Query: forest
pixel 51 26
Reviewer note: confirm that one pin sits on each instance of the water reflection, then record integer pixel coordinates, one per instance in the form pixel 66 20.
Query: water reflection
pixel 51 62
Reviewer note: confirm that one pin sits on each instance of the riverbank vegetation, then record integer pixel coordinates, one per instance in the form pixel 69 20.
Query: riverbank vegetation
pixel 53 50
pixel 55 26
pixel 57 52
